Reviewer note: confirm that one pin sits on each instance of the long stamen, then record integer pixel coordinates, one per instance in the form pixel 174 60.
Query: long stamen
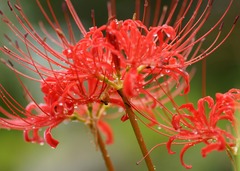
pixel 75 17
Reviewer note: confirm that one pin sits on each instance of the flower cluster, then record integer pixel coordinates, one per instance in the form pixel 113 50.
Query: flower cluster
pixel 122 64
pixel 197 126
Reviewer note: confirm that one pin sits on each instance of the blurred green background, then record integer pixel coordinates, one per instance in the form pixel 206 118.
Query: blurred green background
pixel 76 151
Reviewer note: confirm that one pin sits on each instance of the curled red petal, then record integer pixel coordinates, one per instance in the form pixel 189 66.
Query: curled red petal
pixel 169 144
pixel 209 148
pixel 124 118
pixel 26 136
pixel 31 106
pixel 107 131
pixel 189 107
pixel 185 76
pixel 184 149
pixel 49 139
pixel 176 121
pixel 201 115
pixel 130 83
pixel 219 145
pixel 169 31
pixel 35 138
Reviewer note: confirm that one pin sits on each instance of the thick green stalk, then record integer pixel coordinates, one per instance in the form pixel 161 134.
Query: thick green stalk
pixel 105 154
pixel 137 131
pixel 99 141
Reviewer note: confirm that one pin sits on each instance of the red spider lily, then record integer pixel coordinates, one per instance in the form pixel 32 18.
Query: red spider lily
pixel 50 116
pixel 143 61
pixel 197 126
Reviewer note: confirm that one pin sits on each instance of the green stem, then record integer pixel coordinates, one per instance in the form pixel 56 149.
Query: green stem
pixel 99 141
pixel 105 154
pixel 137 131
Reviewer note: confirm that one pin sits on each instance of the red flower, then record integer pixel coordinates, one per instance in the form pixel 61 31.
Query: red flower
pixel 145 61
pixel 37 116
pixel 199 127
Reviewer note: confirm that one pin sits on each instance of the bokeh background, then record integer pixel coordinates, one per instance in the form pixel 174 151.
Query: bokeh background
pixel 77 151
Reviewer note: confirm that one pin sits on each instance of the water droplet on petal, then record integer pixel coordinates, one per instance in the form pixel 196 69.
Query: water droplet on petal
pixel 167 71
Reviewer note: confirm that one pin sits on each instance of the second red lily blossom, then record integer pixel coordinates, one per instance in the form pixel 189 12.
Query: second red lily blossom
pixel 199 126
